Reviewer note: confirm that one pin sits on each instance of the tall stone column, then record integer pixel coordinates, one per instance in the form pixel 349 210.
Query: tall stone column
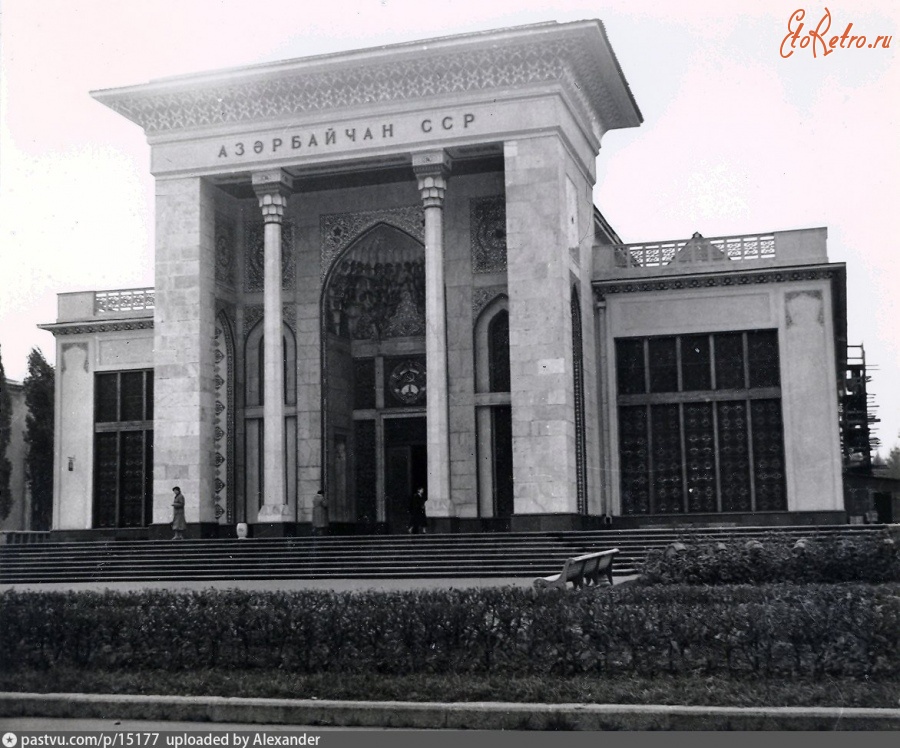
pixel 272 188
pixel 431 170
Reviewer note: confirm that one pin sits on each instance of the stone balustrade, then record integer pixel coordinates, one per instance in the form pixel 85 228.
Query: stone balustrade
pixel 92 305
pixel 712 254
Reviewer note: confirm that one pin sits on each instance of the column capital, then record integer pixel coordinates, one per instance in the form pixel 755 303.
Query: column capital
pixel 431 168
pixel 272 188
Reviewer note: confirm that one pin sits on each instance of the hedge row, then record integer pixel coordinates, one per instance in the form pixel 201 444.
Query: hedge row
pixel 775 629
pixel 873 557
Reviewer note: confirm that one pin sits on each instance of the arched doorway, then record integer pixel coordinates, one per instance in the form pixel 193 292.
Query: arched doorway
pixel 374 380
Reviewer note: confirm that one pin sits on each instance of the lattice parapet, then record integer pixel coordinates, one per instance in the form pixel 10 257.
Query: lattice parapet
pixel 129 300
pixel 697 249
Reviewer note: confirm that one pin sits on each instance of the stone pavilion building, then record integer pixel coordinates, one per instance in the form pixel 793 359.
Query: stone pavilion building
pixel 383 268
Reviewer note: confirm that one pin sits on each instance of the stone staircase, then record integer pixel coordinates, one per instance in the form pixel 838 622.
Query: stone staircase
pixel 354 557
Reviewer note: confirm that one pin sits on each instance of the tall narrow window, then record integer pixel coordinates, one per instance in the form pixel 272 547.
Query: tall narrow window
pixel 123 448
pixel 498 347
pixel 700 427
pixel 254 427
pixel 493 410
pixel 255 367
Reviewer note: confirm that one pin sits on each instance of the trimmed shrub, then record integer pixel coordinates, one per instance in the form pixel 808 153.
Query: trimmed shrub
pixel 785 630
pixel 873 558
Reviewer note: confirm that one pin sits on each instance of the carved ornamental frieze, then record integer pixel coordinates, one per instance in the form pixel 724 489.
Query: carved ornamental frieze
pixel 602 289
pixel 574 56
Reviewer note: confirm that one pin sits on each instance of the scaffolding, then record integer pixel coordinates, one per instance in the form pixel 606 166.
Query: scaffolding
pixel 857 413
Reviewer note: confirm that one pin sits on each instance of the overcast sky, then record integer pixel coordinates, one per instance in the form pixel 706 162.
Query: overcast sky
pixel 736 139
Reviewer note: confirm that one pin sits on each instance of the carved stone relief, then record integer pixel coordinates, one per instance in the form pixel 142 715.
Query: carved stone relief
pixel 515 64
pixel 254 252
pixel 340 230
pixel 225 249
pixel 481 297
pixel 253 313
pixel 488 234
pixel 224 498
pixel 377 288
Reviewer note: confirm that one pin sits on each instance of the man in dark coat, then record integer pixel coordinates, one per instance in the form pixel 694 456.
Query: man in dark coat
pixel 417 518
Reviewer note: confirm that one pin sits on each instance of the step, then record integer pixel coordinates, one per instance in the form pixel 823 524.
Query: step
pixel 355 557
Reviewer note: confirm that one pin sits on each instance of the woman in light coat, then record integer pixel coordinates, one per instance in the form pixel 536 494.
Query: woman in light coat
pixel 178 523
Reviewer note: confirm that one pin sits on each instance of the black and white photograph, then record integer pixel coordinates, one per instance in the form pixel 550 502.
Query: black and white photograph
pixel 510 367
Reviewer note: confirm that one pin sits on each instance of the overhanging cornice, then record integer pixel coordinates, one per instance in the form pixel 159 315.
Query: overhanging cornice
pixel 111 325
pixel 835 272
pixel 575 55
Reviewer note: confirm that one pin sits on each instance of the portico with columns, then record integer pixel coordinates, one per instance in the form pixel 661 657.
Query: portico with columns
pixel 470 157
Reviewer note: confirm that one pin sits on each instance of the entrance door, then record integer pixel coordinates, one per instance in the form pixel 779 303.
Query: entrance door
pixel 883 502
pixel 405 468
pixel 503 461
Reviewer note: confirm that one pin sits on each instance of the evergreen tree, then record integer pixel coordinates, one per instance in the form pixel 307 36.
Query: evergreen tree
pixel 5 427
pixel 39 437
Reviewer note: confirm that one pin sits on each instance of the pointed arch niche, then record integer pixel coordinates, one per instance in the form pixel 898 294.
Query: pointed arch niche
pixel 254 487
pixel 494 410
pixel 373 378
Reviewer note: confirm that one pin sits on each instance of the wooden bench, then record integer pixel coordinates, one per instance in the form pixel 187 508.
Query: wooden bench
pixel 581 571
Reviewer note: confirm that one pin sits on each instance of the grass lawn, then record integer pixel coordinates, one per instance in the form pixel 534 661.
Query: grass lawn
pixel 694 690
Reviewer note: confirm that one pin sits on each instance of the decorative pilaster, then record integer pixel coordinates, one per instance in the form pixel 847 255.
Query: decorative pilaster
pixel 431 170
pixel 272 188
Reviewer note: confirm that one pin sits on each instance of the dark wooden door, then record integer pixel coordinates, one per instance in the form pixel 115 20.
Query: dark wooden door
pixel 398 487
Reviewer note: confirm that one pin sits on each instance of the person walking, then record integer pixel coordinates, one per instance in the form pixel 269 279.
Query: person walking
pixel 320 514
pixel 178 523
pixel 417 517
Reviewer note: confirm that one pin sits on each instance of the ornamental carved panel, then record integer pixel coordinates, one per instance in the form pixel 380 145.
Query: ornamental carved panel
pixel 484 295
pixel 224 499
pixel 225 249
pixel 254 253
pixel 405 382
pixel 488 234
